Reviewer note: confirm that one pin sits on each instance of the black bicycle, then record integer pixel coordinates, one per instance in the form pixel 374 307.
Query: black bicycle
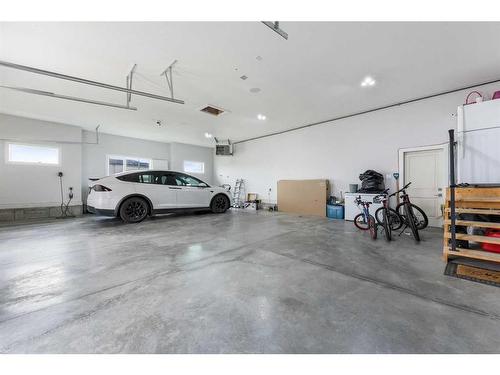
pixel 409 214
pixel 388 218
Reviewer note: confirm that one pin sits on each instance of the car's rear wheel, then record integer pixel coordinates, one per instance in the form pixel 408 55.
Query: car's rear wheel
pixel 134 210
pixel 220 204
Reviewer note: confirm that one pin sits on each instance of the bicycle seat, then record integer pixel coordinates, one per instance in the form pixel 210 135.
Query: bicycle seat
pixel 379 198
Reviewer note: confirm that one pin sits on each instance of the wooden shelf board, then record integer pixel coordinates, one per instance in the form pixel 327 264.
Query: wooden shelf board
pixel 483 211
pixel 475 254
pixel 475 238
pixel 476 224
pixel 479 199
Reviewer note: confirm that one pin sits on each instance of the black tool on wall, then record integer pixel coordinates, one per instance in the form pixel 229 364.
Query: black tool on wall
pixel 453 241
pixel 65 210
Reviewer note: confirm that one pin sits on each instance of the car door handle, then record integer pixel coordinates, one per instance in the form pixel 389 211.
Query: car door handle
pixel 174 188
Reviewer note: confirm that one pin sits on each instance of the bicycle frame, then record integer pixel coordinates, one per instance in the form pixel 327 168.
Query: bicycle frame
pixel 408 211
pixel 366 207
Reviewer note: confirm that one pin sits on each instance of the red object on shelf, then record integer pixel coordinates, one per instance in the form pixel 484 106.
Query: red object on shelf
pixel 494 248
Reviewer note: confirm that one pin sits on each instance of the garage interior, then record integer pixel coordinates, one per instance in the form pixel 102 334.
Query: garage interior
pixel 296 120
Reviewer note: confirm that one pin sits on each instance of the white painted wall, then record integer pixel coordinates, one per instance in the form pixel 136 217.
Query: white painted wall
pixel 36 185
pixel 341 150
pixel 180 152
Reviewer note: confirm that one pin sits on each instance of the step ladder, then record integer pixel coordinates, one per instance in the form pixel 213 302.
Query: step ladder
pixel 239 187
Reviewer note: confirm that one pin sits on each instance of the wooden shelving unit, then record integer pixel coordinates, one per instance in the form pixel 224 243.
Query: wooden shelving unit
pixel 483 201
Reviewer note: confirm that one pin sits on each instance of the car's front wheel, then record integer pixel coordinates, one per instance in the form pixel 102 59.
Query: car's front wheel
pixel 134 210
pixel 220 204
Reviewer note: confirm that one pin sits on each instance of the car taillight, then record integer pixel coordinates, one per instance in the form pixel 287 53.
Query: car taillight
pixel 100 188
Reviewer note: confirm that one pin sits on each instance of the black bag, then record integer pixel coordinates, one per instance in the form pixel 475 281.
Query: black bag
pixel 371 182
pixel 371 175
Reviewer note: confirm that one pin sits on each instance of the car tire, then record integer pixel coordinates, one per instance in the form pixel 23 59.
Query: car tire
pixel 134 210
pixel 220 204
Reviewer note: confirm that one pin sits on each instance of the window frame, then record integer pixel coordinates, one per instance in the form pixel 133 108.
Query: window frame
pixel 193 161
pixel 32 163
pixel 124 159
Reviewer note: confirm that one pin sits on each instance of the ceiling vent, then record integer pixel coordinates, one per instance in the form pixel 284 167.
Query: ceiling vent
pixel 210 109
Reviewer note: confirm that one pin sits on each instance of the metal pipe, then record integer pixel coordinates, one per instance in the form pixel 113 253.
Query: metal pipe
pixel 452 191
pixel 369 111
pixel 73 98
pixel 87 82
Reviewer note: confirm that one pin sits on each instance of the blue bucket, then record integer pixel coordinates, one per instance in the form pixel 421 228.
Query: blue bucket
pixel 335 211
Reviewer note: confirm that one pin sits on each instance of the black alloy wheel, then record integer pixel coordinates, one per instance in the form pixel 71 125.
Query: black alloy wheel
pixel 220 204
pixel 134 210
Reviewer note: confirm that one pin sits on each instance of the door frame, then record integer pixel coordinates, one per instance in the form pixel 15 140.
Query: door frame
pixel 443 146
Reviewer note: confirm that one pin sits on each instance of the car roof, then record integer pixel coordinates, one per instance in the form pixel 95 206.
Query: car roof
pixel 146 170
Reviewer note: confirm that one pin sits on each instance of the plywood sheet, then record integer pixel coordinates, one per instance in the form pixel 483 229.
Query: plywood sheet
pixel 306 197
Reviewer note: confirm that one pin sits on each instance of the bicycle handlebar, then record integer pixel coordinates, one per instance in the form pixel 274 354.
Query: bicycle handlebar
pixel 402 189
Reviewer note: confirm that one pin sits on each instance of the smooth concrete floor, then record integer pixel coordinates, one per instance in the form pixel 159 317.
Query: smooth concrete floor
pixel 240 282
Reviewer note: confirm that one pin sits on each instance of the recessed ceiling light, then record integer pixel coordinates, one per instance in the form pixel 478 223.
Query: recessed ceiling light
pixel 259 58
pixel 243 77
pixel 261 117
pixel 208 135
pixel 368 81
pixel 255 90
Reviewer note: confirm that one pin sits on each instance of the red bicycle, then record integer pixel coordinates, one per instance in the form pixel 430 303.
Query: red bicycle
pixel 364 220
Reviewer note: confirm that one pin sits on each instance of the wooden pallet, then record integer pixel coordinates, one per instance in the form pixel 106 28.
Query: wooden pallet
pixel 483 201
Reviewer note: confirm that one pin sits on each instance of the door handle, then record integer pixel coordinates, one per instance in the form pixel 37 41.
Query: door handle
pixel 174 188
pixel 438 195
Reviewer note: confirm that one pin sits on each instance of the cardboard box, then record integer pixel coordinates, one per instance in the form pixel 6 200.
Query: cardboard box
pixel 306 197
pixel 251 197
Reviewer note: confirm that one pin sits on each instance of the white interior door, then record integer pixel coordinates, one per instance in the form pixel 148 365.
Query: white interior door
pixel 426 170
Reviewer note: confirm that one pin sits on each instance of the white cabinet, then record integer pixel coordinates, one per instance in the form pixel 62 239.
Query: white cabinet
pixel 351 209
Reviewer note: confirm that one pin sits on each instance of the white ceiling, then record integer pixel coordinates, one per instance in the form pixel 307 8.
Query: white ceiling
pixel 312 76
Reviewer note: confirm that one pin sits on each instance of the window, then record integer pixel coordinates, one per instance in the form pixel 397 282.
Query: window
pixel 194 167
pixel 134 177
pixel 32 154
pixel 117 164
pixel 146 178
pixel 166 179
pixel 185 180
pixel 143 178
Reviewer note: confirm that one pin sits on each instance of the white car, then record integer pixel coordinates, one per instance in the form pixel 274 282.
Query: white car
pixel 135 195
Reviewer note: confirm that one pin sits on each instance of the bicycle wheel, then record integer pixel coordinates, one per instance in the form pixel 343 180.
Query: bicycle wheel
pixel 395 220
pixel 372 224
pixel 360 222
pixel 419 215
pixel 411 223
pixel 387 225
